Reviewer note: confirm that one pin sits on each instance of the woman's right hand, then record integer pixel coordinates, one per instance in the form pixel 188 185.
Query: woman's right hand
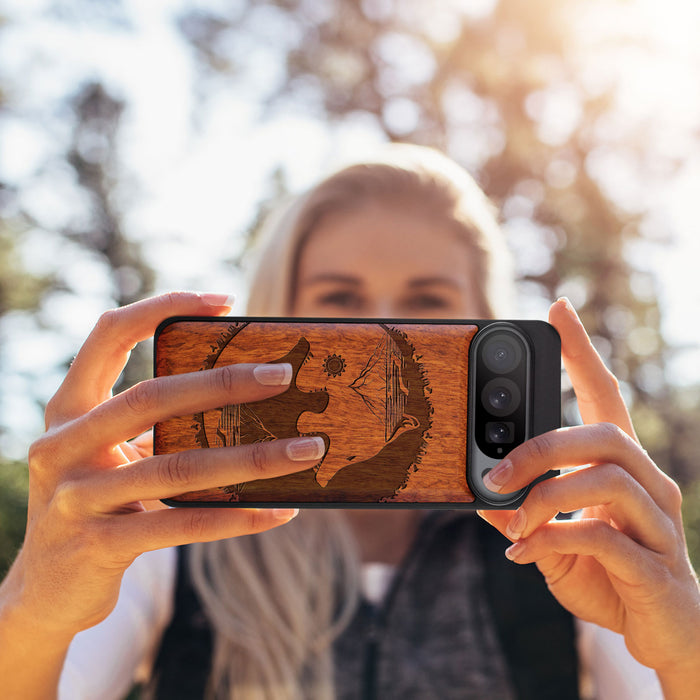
pixel 86 516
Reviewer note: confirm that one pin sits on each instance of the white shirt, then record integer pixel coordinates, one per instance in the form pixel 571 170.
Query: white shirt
pixel 104 661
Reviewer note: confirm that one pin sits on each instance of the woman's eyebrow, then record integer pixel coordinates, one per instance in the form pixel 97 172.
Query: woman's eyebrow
pixel 433 281
pixel 333 277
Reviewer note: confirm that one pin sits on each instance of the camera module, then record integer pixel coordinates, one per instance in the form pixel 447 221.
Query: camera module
pixel 505 359
pixel 500 386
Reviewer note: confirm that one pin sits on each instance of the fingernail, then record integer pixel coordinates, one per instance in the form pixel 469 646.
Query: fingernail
pixel 499 476
pixel 218 299
pixel 277 374
pixel 517 524
pixel 515 550
pixel 285 513
pixel 569 306
pixel 303 449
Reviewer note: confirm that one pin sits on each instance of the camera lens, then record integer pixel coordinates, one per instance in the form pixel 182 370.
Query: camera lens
pixel 499 432
pixel 502 353
pixel 500 396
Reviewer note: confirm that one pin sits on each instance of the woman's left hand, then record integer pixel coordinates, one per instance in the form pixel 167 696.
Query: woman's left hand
pixel 623 564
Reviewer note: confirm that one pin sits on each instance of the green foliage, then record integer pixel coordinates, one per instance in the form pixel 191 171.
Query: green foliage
pixel 14 483
pixel 691 521
pixel 18 289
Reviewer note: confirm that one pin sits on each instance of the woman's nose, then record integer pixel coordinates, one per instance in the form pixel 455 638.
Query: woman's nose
pixel 383 308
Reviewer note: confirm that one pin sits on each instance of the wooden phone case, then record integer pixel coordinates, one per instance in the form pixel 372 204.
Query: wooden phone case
pixel 390 399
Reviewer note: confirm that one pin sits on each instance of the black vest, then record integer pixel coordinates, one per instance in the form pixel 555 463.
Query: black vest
pixel 420 655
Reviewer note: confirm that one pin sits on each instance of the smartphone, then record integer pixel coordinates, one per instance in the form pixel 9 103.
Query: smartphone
pixel 413 413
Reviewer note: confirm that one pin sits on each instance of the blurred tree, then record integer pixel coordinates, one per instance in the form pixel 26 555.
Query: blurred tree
pixel 501 87
pixel 94 156
pixel 18 291
pixel 93 232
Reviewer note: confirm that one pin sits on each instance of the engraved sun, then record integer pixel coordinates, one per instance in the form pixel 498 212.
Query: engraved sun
pixel 334 365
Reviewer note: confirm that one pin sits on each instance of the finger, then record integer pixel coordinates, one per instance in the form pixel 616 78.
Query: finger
pixel 606 486
pixel 138 448
pixel 596 388
pixel 166 476
pixel 156 529
pixel 143 444
pixel 614 550
pixel 130 452
pixel 579 445
pixel 497 518
pixel 140 407
pixel 102 357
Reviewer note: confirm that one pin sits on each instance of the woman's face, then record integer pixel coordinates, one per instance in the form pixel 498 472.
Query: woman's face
pixel 385 261
pixel 380 261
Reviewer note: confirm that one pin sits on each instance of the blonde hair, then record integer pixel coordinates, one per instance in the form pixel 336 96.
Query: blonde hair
pixel 277 600
pixel 404 175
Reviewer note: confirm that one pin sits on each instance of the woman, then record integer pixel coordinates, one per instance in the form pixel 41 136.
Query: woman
pixel 411 236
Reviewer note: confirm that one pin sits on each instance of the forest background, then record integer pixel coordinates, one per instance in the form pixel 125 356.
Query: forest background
pixel 141 142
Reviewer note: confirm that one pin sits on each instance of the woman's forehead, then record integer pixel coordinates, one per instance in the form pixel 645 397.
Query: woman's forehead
pixel 385 235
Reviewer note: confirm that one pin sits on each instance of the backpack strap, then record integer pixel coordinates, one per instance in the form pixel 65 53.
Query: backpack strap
pixel 536 633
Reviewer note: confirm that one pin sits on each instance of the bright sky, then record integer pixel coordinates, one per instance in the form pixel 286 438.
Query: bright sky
pixel 194 189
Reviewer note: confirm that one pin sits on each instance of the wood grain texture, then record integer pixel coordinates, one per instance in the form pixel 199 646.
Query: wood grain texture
pixel 390 401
